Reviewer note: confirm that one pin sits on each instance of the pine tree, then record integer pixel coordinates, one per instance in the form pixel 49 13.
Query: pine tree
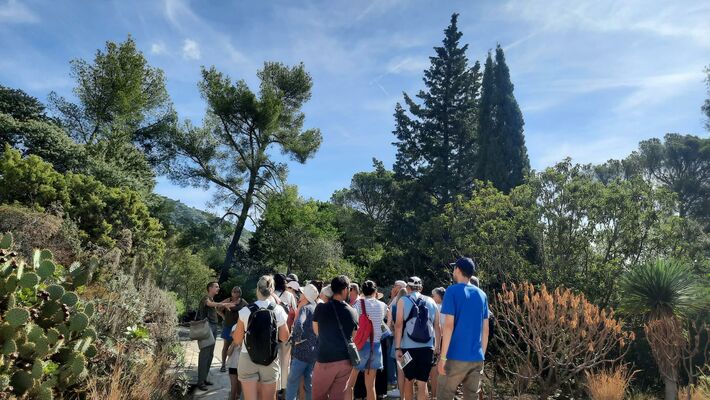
pixel 435 146
pixel 503 158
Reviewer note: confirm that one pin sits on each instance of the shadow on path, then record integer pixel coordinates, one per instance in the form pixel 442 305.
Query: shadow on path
pixel 221 385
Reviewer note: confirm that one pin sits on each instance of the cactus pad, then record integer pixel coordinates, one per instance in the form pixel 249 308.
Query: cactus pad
pixel 21 381
pixel 70 299
pixel 29 280
pixel 46 269
pixel 17 316
pixel 55 291
pixel 78 322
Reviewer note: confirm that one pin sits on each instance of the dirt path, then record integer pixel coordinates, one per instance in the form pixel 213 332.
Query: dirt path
pixel 221 385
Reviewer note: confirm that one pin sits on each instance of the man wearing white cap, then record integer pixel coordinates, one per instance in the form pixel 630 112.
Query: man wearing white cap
pixel 305 344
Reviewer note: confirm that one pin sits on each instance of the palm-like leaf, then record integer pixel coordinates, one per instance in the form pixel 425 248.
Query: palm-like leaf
pixel 661 288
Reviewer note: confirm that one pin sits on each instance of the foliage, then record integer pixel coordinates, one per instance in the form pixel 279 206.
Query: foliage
pixel 34 230
pixel 550 337
pixel 185 274
pixel 489 226
pixel 608 384
pixel 590 232
pixel 121 98
pixel 502 156
pixel 662 288
pixel 296 235
pixel 681 163
pixel 706 105
pixel 104 216
pixel 44 138
pixel 231 151
pixel 436 147
pixel 46 332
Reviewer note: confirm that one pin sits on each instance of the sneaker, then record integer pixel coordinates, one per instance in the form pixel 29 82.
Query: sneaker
pixel 208 383
pixel 202 387
pixel 393 393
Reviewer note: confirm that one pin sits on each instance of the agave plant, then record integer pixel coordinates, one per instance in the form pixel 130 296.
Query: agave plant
pixel 660 289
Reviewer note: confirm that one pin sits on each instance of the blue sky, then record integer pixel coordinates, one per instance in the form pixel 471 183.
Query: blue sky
pixel 593 78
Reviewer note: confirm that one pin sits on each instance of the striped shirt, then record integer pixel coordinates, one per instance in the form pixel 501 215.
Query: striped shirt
pixel 376 311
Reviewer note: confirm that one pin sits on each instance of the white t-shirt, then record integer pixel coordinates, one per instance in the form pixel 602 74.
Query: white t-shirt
pixel 233 359
pixel 376 311
pixel 289 299
pixel 281 316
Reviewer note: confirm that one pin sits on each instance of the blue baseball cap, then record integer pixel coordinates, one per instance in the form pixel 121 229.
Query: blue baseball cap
pixel 466 265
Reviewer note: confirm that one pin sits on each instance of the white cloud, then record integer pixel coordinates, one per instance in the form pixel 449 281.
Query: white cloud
pixel 13 11
pixel 673 19
pixel 408 65
pixel 158 48
pixel 191 50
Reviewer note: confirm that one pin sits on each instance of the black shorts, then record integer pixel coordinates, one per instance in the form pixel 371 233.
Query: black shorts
pixel 233 371
pixel 420 366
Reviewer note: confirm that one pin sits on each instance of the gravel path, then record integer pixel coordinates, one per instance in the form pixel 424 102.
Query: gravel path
pixel 220 388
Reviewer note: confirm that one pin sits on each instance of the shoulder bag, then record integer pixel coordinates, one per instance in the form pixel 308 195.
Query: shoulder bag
pixel 352 349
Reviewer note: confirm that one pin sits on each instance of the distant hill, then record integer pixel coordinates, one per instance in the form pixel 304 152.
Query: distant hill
pixel 193 222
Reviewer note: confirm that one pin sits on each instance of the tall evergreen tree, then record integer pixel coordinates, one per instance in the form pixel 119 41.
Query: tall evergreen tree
pixel 503 158
pixel 435 145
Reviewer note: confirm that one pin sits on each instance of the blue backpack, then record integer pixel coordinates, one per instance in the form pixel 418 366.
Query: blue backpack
pixel 417 325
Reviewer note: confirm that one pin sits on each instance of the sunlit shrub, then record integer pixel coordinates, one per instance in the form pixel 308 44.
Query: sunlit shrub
pixel 556 335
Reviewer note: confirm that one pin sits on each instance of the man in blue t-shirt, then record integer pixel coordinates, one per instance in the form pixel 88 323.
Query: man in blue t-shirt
pixel 465 335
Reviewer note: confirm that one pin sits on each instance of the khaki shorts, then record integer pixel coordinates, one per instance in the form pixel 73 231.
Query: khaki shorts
pixel 249 371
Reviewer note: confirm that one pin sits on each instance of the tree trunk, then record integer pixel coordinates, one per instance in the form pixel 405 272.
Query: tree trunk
pixel 241 222
pixel 671 389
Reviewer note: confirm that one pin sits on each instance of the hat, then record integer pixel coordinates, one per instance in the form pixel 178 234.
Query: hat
pixel 400 283
pixel 466 265
pixel 311 293
pixel 414 282
pixel 291 277
pixel 294 285
pixel 327 291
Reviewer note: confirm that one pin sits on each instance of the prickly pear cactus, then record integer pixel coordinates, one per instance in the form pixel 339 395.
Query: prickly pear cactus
pixel 45 328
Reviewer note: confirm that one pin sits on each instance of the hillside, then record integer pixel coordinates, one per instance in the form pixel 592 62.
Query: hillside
pixel 195 223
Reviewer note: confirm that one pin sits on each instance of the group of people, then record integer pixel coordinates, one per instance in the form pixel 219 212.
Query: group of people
pixel 341 341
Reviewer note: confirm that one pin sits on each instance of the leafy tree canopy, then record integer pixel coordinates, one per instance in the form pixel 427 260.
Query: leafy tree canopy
pixel 232 150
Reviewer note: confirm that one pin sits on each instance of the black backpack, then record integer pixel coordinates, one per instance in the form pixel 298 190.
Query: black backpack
pixel 419 330
pixel 261 337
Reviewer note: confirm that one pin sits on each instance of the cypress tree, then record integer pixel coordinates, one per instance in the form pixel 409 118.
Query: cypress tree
pixel 503 158
pixel 435 147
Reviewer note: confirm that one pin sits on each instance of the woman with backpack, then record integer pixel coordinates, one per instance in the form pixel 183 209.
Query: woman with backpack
pixel 371 315
pixel 260 328
pixel 304 342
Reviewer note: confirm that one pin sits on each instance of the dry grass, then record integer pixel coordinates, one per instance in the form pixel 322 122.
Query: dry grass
pixel 150 380
pixel 696 393
pixel 608 384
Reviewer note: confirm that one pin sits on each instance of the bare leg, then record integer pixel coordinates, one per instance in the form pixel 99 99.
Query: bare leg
pixel 434 380
pixel 236 388
pixel 422 393
pixel 351 384
pixel 250 390
pixel 408 393
pixel 400 381
pixel 225 348
pixel 267 391
pixel 370 375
